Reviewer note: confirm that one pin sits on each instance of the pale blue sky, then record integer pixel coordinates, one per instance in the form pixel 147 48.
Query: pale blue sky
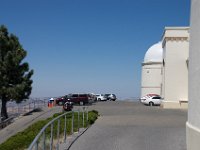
pixel 89 45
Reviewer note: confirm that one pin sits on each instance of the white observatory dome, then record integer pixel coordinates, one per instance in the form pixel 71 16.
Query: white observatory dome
pixel 154 53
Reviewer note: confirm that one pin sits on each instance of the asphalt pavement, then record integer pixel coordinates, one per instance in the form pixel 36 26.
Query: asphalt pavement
pixel 133 126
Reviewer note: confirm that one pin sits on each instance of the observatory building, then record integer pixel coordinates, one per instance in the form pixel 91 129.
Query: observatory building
pixel 151 70
pixel 165 68
pixel 175 43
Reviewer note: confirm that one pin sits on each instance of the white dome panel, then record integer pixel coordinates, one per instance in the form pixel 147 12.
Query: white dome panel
pixel 154 53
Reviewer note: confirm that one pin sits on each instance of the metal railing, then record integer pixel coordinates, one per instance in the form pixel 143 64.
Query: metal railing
pixel 25 107
pixel 16 109
pixel 56 131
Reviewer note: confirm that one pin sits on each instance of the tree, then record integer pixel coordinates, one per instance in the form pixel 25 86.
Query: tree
pixel 15 76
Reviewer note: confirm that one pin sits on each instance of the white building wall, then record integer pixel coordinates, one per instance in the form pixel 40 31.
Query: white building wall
pixel 151 78
pixel 176 71
pixel 175 74
pixel 193 124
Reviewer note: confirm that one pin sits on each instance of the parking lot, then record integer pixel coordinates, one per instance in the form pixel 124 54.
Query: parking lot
pixel 133 126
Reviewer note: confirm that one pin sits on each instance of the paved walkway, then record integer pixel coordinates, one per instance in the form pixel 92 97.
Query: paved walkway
pixel 121 126
pixel 133 126
pixel 23 122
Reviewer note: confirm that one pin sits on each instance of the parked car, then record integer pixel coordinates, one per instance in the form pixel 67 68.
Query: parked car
pixel 106 96
pixel 101 97
pixel 153 100
pixel 61 100
pixel 81 99
pixel 111 97
pixel 93 97
pixel 142 99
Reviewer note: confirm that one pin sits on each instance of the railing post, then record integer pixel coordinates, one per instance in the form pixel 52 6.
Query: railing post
pixel 87 116
pixel 83 116
pixel 36 145
pixel 65 129
pixel 78 119
pixel 58 135
pixel 44 140
pixel 51 142
pixel 72 123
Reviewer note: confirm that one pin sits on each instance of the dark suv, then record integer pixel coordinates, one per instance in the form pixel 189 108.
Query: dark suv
pixel 81 99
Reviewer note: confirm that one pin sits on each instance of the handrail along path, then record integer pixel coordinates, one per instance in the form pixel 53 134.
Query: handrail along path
pixel 42 136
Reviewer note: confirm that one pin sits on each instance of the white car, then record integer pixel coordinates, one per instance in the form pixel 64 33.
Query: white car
pixel 154 100
pixel 101 97
pixel 146 97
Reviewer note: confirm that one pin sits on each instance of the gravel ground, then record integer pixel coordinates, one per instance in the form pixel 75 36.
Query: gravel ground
pixel 133 126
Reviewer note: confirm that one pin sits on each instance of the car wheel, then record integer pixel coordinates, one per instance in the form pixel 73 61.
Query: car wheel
pixel 99 99
pixel 151 103
pixel 81 103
